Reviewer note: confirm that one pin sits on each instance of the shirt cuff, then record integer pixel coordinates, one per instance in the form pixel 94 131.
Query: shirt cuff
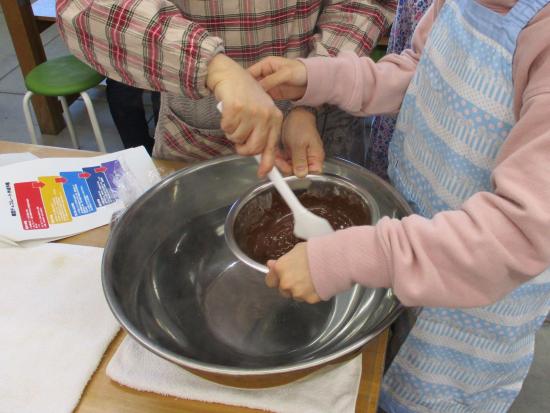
pixel 311 109
pixel 209 47
pixel 353 255
pixel 318 90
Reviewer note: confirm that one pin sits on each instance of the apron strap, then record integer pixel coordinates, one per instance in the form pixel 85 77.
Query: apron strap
pixel 521 14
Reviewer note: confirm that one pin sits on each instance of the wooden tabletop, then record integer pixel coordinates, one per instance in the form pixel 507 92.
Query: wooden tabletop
pixel 102 395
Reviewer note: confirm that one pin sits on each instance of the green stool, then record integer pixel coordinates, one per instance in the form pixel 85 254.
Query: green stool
pixel 62 77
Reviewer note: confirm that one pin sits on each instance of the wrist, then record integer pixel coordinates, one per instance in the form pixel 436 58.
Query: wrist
pixel 218 70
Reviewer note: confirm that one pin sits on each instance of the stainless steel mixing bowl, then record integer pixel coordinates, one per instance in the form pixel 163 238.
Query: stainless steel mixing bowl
pixel 175 286
pixel 250 209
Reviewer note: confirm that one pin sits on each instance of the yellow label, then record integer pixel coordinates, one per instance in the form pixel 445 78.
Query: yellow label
pixel 55 202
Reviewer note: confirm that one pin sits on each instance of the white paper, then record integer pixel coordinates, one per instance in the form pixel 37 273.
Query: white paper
pixel 58 197
pixel 10 158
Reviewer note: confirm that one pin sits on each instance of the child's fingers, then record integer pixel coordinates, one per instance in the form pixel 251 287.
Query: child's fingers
pixel 258 70
pixel 285 293
pixel 281 76
pixel 264 67
pixel 271 280
pixel 312 298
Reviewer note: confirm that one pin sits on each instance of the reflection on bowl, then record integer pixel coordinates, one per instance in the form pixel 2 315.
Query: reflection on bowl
pixel 259 226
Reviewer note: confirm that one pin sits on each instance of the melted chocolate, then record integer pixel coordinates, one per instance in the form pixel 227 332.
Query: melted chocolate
pixel 265 230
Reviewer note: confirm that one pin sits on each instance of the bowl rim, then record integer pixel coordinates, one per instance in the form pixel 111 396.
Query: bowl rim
pixel 262 187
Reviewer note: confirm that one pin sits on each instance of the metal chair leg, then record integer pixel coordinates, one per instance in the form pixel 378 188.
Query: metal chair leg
pixel 28 117
pixel 69 121
pixel 93 120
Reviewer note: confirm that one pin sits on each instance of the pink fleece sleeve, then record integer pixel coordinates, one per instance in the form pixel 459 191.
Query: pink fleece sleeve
pixel 360 86
pixel 462 258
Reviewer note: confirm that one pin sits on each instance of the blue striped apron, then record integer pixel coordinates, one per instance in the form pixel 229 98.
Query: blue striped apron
pixel 457 112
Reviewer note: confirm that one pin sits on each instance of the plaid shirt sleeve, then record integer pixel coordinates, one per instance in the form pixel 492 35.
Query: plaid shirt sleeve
pixel 144 43
pixel 352 25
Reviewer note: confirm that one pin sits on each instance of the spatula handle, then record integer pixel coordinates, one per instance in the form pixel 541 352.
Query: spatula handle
pixel 284 189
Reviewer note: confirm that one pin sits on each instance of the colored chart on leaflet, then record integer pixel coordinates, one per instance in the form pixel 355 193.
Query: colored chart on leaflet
pixel 45 199
pixel 58 199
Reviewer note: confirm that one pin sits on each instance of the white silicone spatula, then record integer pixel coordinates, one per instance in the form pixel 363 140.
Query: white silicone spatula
pixel 306 223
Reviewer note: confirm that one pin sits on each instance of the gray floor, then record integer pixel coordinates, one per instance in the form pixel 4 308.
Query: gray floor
pixel 535 396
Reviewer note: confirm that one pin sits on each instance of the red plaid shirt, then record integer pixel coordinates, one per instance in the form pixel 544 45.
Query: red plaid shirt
pixel 165 45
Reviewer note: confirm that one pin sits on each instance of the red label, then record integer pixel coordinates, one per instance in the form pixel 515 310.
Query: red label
pixel 31 207
pixel 100 169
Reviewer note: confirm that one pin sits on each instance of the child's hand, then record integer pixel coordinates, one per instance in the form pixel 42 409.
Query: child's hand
pixel 290 274
pixel 250 118
pixel 282 78
pixel 303 148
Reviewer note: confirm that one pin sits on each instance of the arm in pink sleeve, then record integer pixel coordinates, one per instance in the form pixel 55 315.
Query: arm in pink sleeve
pixel 360 86
pixel 463 258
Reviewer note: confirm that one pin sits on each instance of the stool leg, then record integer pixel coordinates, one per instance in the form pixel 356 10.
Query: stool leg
pixel 93 120
pixel 28 117
pixel 69 121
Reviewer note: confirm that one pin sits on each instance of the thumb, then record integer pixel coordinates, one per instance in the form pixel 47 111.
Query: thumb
pixel 271 279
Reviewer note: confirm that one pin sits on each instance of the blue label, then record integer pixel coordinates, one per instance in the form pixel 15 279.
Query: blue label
pixel 77 193
pixel 99 185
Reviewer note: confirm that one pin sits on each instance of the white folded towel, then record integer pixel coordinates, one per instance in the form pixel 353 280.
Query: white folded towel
pixel 55 326
pixel 330 389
